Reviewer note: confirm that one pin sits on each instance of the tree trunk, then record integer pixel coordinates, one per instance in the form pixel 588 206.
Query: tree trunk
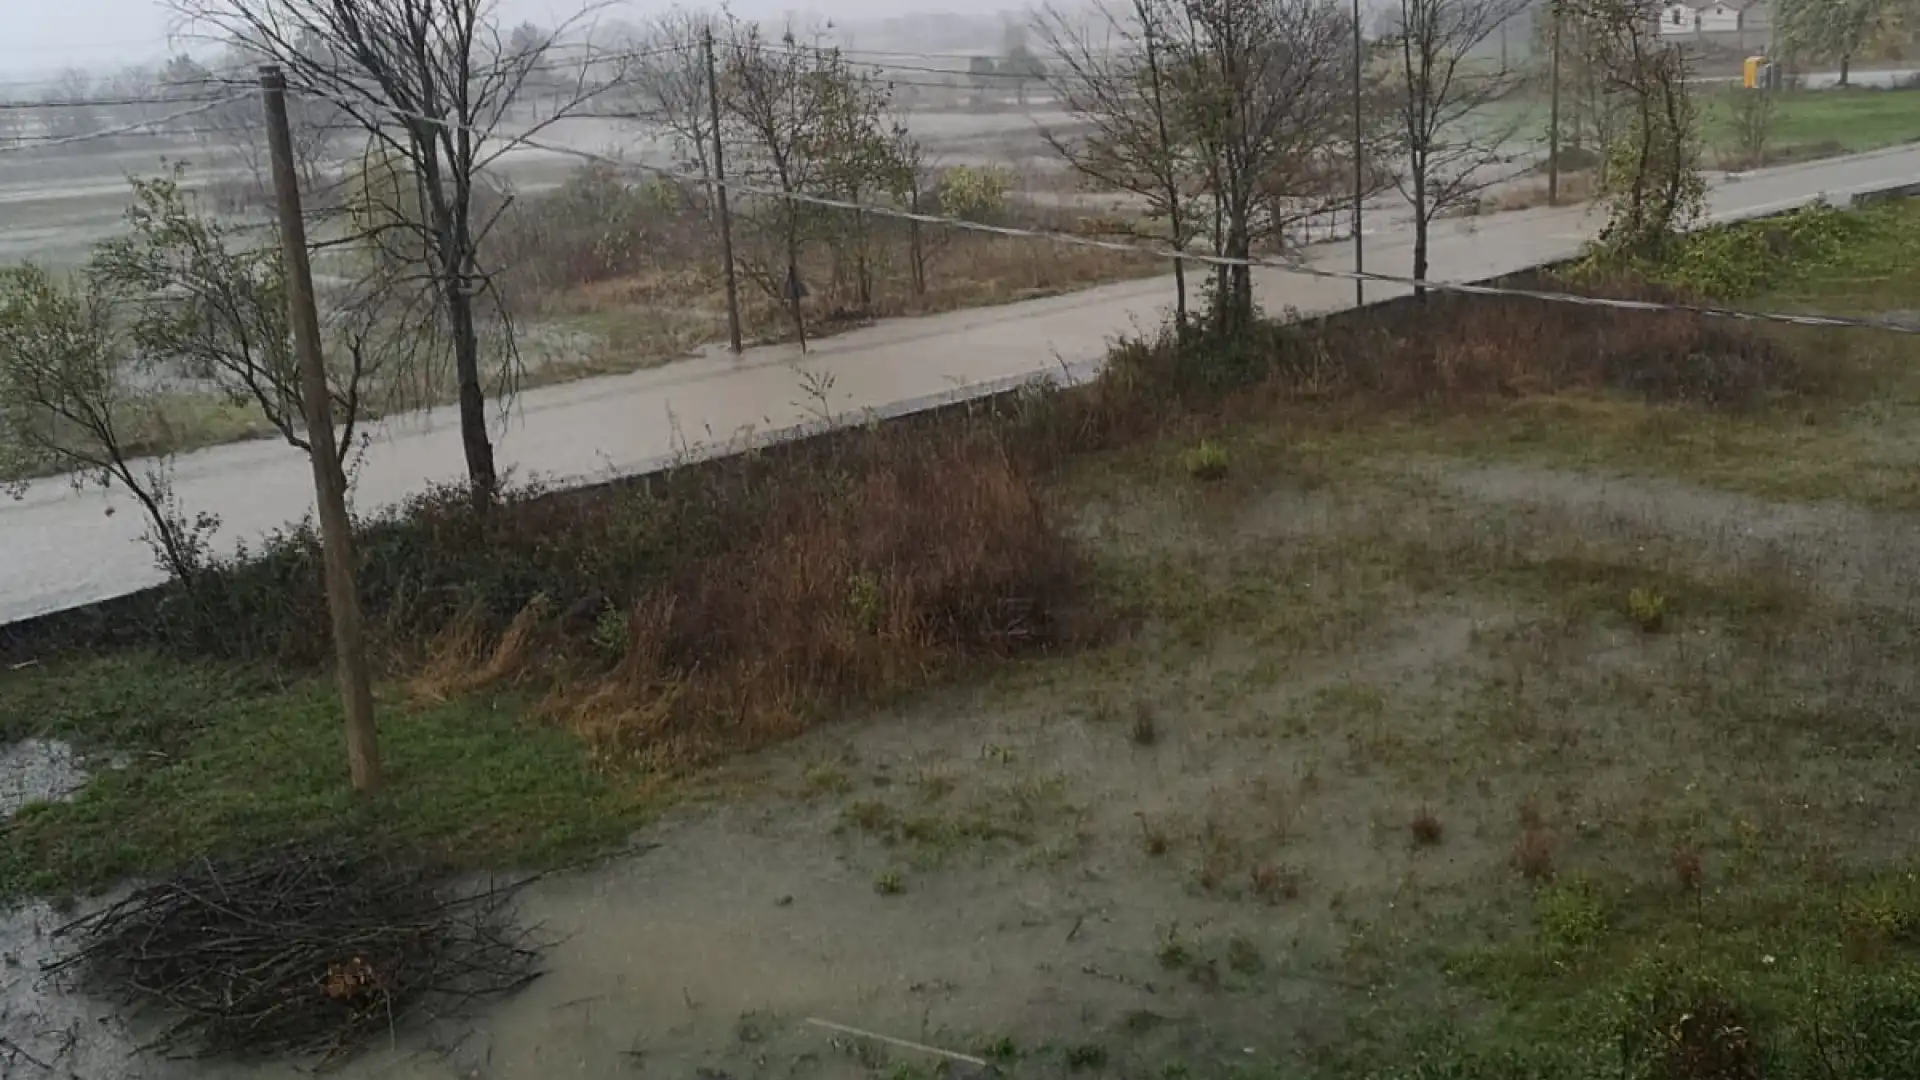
pixel 918 255
pixel 1422 221
pixel 456 274
pixel 1420 227
pixel 482 478
pixel 1845 65
pixel 860 266
pixel 794 288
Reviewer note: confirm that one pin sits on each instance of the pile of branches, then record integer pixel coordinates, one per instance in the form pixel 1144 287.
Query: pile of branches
pixel 301 951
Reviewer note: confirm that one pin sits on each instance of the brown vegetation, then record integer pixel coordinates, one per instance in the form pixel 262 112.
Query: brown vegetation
pixel 638 262
pixel 722 605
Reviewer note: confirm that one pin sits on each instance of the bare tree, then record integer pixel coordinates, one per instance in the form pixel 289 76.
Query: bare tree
pixel 67 113
pixel 435 82
pixel 803 124
pixel 1264 87
pixel 667 85
pixel 1449 147
pixel 1117 87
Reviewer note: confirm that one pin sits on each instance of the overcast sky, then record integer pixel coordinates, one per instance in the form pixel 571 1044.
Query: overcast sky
pixel 41 36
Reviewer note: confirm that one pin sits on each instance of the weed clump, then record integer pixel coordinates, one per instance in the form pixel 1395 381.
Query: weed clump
pixel 1689 869
pixel 1144 731
pixel 1426 828
pixel 1571 916
pixel 1685 1025
pixel 1206 462
pixel 1647 608
pixel 1533 854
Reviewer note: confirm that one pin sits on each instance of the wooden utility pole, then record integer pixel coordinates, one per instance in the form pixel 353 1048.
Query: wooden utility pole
pixel 1359 167
pixel 329 480
pixel 1553 116
pixel 720 191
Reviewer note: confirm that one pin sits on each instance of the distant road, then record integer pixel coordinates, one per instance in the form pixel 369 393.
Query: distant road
pixel 1828 80
pixel 63 548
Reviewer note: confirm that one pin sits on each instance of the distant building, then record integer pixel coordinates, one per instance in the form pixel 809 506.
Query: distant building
pixel 1678 18
pixel 1744 24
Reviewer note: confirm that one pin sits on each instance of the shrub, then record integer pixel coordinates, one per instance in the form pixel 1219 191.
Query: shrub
pixel 973 193
pixel 1493 347
pixel 597 226
pixel 1735 261
pixel 951 553
pixel 1206 462
pixel 1571 916
pixel 1647 608
pixel 683 615
pixel 1682 1024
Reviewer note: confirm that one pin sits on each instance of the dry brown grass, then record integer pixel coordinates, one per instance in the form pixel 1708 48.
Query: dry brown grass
pixel 1689 869
pixel 1427 829
pixel 935 553
pixel 1575 188
pixel 1493 348
pixel 1533 854
pixel 967 270
pixel 640 267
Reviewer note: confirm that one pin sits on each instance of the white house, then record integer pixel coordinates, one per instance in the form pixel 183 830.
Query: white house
pixel 1728 18
pixel 1723 16
pixel 1679 17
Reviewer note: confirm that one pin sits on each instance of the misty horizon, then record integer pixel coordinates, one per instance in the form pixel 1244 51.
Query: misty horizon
pixel 56 38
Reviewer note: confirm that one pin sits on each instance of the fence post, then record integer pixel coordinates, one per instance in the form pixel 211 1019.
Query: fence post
pixel 329 480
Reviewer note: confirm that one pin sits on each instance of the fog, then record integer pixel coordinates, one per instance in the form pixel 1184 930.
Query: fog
pixel 44 38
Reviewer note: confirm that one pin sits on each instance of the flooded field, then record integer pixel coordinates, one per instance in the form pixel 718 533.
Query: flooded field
pixel 53 206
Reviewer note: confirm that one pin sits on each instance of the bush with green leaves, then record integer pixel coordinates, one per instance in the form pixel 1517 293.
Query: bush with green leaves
pixel 1741 260
pixel 974 193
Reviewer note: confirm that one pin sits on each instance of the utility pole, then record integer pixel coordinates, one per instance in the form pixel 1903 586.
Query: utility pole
pixel 1553 116
pixel 1359 168
pixel 329 480
pixel 720 192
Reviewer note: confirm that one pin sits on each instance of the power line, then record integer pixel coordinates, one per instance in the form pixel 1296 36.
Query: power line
pixel 41 142
pixel 796 48
pixel 102 103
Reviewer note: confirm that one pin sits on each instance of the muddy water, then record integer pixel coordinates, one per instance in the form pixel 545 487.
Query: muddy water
pixel 705 953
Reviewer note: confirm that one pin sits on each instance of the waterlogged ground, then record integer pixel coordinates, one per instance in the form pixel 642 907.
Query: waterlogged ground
pixel 1196 850
pixel 1420 735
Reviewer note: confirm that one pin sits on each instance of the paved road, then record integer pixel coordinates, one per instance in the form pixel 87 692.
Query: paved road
pixel 62 548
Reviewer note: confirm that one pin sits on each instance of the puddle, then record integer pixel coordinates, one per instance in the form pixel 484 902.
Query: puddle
pixel 38 770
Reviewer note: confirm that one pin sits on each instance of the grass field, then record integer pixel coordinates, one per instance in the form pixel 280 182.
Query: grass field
pixel 1819 123
pixel 1484 724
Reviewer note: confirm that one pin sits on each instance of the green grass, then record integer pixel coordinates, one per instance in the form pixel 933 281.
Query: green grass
pixel 193 760
pixel 1806 123
pixel 1824 977
pixel 1852 121
pixel 1861 445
